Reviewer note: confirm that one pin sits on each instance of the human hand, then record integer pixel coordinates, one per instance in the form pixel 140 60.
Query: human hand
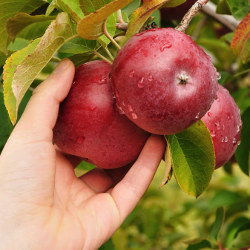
pixel 43 205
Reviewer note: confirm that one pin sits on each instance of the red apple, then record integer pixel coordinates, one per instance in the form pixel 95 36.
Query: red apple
pixel 89 124
pixel 224 123
pixel 163 81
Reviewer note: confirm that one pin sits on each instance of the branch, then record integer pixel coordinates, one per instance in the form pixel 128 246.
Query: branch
pixel 190 14
pixel 229 21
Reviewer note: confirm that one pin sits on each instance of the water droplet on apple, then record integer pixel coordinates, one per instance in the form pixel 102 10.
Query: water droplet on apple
pixel 217 124
pixel 130 109
pixel 197 116
pixel 208 114
pixel 222 140
pixel 134 116
pixel 234 141
pixel 120 110
pixel 225 139
pixel 238 143
pixel 140 83
pixel 212 133
pixel 102 81
pixel 238 128
pixel 150 78
pixel 131 74
pixel 167 45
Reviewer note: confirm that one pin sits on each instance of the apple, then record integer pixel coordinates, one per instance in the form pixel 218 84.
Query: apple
pixel 224 123
pixel 163 81
pixel 89 124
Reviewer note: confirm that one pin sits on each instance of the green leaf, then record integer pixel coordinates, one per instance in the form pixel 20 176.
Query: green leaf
pixel 223 8
pixel 79 59
pixel 243 151
pixel 90 6
pixel 33 59
pixel 78 46
pixel 238 8
pixel 199 244
pixel 241 39
pixel 241 241
pixel 141 15
pixel 168 166
pixel 5 124
pixel 91 26
pixel 19 44
pixel 193 158
pixel 174 3
pixel 9 70
pixel 21 20
pixel 219 220
pixel 72 7
pixel 8 8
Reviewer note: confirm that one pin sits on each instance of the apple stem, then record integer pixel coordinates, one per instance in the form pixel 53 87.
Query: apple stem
pixel 105 31
pixel 101 56
pixel 190 14
pixel 109 53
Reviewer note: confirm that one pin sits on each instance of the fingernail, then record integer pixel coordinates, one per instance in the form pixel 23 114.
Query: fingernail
pixel 61 66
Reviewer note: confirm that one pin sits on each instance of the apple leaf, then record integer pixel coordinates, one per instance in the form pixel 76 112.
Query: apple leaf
pixel 23 66
pixel 72 7
pixel 173 3
pixel 78 46
pixel 91 26
pixel 199 244
pixel 21 20
pixel 9 70
pixel 193 158
pixel 241 40
pixel 168 166
pixel 90 6
pixel 242 153
pixel 8 8
pixel 141 15
pixel 219 221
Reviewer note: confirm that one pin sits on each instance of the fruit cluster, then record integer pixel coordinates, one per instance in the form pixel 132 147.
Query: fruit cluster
pixel 160 82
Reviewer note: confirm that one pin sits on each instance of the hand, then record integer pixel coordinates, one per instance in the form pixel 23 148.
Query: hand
pixel 43 205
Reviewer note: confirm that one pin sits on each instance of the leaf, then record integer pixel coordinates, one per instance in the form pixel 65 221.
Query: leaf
pixel 168 166
pixel 193 158
pixel 109 245
pixel 238 8
pixel 9 70
pixel 78 46
pixel 141 15
pixel 90 6
pixel 241 40
pixel 72 7
pixel 8 8
pixel 19 44
pixel 5 124
pixel 219 220
pixel 79 59
pixel 199 244
pixel 21 20
pixel 223 8
pixel 242 153
pixel 91 26
pixel 174 3
pixel 241 241
pixel 32 60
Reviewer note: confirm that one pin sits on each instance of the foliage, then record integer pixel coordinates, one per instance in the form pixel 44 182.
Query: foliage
pixel 35 34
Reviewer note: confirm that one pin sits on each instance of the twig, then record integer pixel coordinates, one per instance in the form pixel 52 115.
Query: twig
pixel 109 53
pixel 227 20
pixel 105 31
pixel 190 14
pixel 122 26
pixel 119 16
pixel 101 56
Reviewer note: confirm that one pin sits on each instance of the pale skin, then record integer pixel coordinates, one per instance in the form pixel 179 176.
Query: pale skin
pixel 43 205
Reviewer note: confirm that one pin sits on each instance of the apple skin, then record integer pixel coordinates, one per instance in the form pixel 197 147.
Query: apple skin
pixel 89 124
pixel 224 123
pixel 146 79
pixel 176 13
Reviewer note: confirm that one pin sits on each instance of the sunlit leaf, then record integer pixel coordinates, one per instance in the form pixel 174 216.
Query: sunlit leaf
pixel 219 220
pixel 174 3
pixel 72 7
pixel 140 15
pixel 241 40
pixel 193 158
pixel 8 8
pixel 167 166
pixel 23 67
pixel 21 20
pixel 91 26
